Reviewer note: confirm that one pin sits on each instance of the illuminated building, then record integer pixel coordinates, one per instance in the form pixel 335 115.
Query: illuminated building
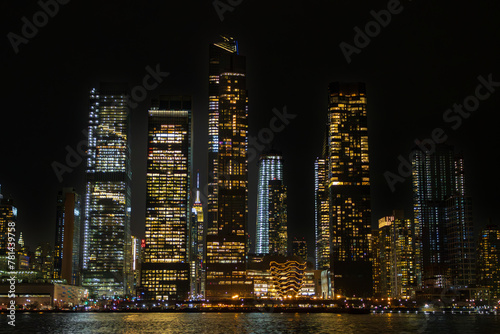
pixel 67 241
pixel 443 217
pixel 197 257
pixel 8 218
pixel 106 251
pixel 165 269
pixel 43 261
pixel 270 168
pixel 488 261
pixel 278 235
pixel 136 263
pixel 349 189
pixel 226 243
pixel 299 248
pixel 394 265
pixel 322 215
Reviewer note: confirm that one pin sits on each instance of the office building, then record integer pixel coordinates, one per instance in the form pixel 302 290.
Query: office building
pixel 299 248
pixel 67 240
pixel 321 214
pixel 106 251
pixel 8 219
pixel 349 189
pixel 226 244
pixel 197 257
pixel 270 168
pixel 165 269
pixel 278 218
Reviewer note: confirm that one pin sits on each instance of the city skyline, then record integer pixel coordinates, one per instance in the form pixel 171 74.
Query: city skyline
pixel 423 120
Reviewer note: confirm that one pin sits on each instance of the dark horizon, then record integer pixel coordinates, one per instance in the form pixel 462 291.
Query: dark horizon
pixel 428 58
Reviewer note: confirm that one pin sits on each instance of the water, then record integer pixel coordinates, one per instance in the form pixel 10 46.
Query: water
pixel 267 323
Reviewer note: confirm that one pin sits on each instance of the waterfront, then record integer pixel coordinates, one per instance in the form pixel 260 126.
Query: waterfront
pixel 214 323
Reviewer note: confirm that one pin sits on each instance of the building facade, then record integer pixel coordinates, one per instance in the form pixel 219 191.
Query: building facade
pixel 226 245
pixel 488 261
pixel 270 168
pixel 67 241
pixel 443 218
pixel 278 218
pixel 106 251
pixel 165 269
pixel 349 189
pixel 8 219
pixel 322 214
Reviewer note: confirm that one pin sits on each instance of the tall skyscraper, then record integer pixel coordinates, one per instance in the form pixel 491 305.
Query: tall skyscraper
pixel 106 253
pixel 198 246
pixel 321 214
pixel 489 261
pixel 442 213
pixel 165 269
pixel 349 189
pixel 8 218
pixel 278 218
pixel 270 168
pixel 67 241
pixel 228 173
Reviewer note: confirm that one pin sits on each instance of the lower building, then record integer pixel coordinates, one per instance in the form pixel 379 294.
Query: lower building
pixel 488 274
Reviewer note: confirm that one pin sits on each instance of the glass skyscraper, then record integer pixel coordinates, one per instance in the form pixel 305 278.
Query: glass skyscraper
pixel 106 257
pixel 197 257
pixel 67 241
pixel 349 189
pixel 278 218
pixel 322 214
pixel 270 168
pixel 226 244
pixel 165 268
pixel 443 218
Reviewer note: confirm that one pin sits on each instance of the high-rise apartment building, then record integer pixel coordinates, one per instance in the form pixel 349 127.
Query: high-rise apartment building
pixel 349 189
pixel 394 248
pixel 67 241
pixel 106 251
pixel 270 168
pixel 226 244
pixel 299 248
pixel 443 219
pixel 488 261
pixel 165 269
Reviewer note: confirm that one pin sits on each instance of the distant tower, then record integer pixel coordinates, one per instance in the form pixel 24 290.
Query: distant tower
pixel 198 246
pixel 270 168
pixel 278 218
pixel 67 240
pixel 322 214
pixel 299 248
pixel 8 218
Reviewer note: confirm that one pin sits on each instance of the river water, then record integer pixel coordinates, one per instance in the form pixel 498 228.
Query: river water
pixel 267 323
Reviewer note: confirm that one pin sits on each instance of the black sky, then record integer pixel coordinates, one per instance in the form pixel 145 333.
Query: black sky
pixel 424 61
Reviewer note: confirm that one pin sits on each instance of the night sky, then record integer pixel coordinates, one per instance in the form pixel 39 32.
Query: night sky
pixel 427 58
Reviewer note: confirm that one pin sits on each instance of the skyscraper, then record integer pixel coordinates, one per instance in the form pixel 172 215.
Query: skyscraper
pixel 165 269
pixel 198 246
pixel 442 213
pixel 8 218
pixel 228 173
pixel 67 241
pixel 349 189
pixel 106 257
pixel 321 214
pixel 270 168
pixel 395 272
pixel 278 218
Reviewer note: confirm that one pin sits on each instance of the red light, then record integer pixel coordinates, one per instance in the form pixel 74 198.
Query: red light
pixel 143 243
